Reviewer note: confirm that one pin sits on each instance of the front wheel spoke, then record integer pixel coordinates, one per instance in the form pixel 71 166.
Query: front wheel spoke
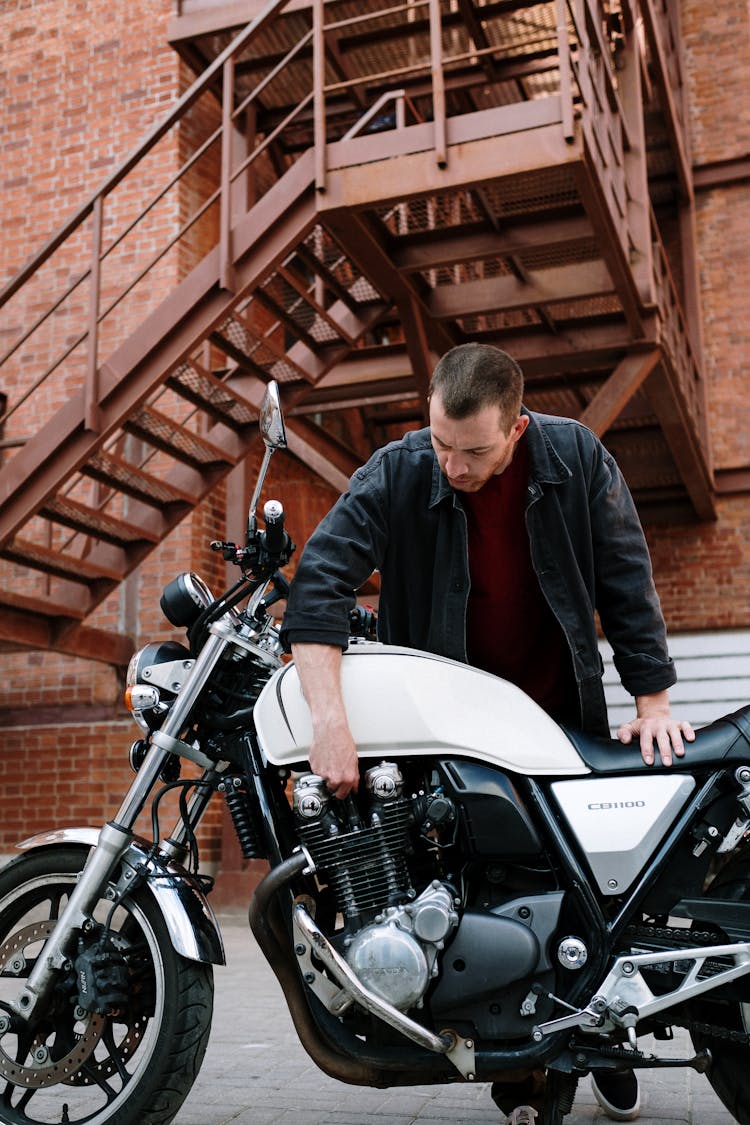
pixel 24 1043
pixel 93 1072
pixel 55 898
pixel 25 1098
pixel 115 1055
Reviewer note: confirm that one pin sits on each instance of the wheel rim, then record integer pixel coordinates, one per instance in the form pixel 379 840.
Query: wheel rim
pixel 89 1064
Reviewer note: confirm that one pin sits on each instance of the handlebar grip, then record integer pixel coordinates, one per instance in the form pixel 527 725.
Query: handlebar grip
pixel 273 516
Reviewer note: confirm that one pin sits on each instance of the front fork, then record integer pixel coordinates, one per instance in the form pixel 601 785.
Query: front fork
pixel 115 837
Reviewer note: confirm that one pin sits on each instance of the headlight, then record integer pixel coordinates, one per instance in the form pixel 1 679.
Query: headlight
pixel 154 677
pixel 184 599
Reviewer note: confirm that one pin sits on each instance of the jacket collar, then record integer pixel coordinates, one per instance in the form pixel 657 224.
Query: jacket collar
pixel 441 490
pixel 546 464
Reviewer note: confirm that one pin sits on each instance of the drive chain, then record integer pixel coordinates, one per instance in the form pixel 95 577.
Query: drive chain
pixel 672 937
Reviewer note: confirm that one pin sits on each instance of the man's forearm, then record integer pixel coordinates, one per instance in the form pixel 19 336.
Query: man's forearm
pixel 333 755
pixel 319 670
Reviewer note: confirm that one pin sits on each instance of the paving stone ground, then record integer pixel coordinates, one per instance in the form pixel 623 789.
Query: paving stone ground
pixel 256 1073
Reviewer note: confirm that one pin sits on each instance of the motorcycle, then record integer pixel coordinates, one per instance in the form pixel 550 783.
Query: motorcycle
pixel 504 895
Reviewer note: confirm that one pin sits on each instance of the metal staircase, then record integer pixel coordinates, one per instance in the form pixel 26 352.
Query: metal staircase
pixel 345 192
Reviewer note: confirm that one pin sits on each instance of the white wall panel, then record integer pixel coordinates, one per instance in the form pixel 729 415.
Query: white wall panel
pixel 713 671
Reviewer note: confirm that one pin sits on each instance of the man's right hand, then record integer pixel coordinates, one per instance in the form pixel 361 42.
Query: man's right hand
pixel 333 754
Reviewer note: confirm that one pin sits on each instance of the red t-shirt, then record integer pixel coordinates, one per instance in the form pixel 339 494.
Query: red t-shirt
pixel 510 629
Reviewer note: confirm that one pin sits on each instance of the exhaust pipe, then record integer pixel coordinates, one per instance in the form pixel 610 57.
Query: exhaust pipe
pixel 336 1051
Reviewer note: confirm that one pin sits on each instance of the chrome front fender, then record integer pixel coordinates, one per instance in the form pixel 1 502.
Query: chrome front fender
pixel 191 922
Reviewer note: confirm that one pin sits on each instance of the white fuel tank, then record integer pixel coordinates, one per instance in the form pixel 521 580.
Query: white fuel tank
pixel 401 701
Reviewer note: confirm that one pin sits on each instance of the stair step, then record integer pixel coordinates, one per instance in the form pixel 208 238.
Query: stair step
pixel 61 509
pixel 182 444
pixel 41 607
pixel 126 477
pixel 204 390
pixel 236 339
pixel 74 569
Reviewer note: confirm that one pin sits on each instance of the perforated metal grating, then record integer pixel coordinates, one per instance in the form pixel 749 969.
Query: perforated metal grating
pixel 431 212
pixel 150 425
pixel 131 478
pixel 493 322
pixel 95 523
pixel 545 257
pixel 586 308
pixel 322 246
pixel 206 389
pixel 481 270
pixel 300 311
pixel 532 191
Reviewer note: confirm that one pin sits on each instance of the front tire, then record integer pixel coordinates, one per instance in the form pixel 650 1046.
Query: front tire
pixel 132 1067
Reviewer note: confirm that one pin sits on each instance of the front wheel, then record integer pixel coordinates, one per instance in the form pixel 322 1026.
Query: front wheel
pixel 133 1065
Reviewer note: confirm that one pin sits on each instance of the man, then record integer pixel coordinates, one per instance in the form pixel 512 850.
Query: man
pixel 498 533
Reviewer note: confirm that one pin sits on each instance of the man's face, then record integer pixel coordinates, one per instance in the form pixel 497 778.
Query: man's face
pixel 473 449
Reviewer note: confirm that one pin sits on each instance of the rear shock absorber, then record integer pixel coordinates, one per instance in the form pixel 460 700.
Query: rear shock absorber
pixel 242 817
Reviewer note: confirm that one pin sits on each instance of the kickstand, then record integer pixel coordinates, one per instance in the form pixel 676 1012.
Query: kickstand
pixel 559 1096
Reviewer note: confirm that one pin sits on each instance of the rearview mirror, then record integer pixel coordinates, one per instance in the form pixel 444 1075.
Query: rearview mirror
pixel 271 419
pixel 271 425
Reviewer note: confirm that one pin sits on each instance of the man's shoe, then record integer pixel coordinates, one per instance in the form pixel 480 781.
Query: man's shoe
pixel 617 1093
pixel 522 1115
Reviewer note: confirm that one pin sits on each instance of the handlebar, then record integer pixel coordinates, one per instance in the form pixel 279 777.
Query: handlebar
pixel 273 516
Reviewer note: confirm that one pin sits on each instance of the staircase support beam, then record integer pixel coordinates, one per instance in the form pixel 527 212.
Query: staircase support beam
pixel 315 455
pixel 674 419
pixel 562 283
pixel 21 630
pixel 446 249
pixel 357 235
pixel 612 398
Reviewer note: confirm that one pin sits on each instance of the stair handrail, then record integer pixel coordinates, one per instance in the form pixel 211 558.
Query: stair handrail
pixel 191 95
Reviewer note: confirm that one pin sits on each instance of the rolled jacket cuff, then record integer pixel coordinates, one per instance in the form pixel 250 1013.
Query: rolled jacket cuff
pixel 334 637
pixel 642 675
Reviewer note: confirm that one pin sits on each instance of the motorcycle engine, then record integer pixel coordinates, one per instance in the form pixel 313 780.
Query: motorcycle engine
pixel 481 961
pixel 392 935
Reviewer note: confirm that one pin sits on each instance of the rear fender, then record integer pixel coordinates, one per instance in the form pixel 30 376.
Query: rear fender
pixel 191 922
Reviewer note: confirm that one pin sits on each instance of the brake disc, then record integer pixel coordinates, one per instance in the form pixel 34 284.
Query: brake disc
pixel 44 1070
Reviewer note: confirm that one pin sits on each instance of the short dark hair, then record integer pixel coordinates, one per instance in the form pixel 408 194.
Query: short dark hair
pixel 472 376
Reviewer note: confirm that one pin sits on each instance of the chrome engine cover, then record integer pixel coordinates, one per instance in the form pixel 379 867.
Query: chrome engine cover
pixel 395 956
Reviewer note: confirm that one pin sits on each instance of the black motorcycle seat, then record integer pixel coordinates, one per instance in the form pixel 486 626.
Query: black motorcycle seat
pixel 724 741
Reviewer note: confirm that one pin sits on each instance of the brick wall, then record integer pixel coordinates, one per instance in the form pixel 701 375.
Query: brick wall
pixel 703 571
pixel 82 84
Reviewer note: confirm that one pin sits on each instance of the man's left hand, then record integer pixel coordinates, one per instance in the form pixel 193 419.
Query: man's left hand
pixel 655 725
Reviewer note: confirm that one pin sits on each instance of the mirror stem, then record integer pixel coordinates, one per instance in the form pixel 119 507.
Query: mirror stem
pixel 251 521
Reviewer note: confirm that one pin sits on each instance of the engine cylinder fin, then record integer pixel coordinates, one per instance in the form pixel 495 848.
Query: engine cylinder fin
pixel 366 868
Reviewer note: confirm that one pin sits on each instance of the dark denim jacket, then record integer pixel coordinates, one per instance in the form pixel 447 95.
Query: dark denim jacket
pixel 401 517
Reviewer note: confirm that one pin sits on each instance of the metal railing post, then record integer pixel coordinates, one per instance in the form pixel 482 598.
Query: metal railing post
pixel 438 83
pixel 319 107
pixel 566 77
pixel 91 400
pixel 226 270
